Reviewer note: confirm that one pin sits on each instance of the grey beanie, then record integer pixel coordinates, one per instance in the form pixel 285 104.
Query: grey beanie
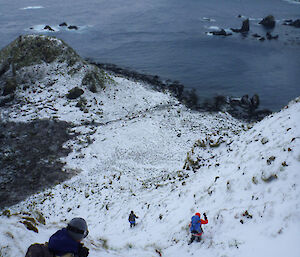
pixel 77 229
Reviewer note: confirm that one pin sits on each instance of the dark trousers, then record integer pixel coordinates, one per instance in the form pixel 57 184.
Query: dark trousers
pixel 195 238
pixel 132 225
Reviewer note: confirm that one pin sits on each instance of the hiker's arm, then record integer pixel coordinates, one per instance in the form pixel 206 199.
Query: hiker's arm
pixel 83 251
pixel 204 221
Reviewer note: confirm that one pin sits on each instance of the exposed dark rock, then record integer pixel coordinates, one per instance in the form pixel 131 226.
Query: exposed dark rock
pixel 191 99
pixel 295 23
pixel 243 108
pixel 269 36
pixel 221 32
pixel 9 87
pixel 4 67
pixel 30 158
pixel 176 88
pixel 245 101
pixel 254 101
pixel 47 27
pixel 245 27
pixel 75 93
pixel 256 35
pixel 64 24
pixel 6 99
pixel 262 39
pixel 73 27
pixel 268 22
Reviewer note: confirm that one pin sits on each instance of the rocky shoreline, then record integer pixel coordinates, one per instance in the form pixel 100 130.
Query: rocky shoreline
pixel 239 107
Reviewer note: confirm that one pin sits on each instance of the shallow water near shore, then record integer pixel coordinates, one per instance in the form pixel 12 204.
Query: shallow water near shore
pixel 169 39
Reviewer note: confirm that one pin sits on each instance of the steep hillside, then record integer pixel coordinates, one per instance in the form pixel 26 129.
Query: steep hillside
pixel 138 149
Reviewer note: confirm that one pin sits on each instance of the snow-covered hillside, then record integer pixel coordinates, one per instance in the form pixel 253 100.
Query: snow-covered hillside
pixel 142 150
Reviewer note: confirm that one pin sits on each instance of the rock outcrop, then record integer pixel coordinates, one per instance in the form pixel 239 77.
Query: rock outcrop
pixel 28 51
pixel 47 27
pixel 245 27
pixel 34 49
pixel 269 36
pixel 268 22
pixel 295 23
pixel 221 32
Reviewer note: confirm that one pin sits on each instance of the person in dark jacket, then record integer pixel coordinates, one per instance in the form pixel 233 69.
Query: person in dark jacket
pixel 195 227
pixel 132 218
pixel 68 240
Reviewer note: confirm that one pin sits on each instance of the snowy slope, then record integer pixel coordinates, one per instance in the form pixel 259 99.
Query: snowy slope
pixel 141 150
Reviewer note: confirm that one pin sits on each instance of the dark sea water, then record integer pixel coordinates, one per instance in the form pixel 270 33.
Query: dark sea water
pixel 168 38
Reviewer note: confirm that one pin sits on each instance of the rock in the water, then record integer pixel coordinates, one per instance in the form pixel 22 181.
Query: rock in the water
pixel 268 22
pixel 75 93
pixel 245 101
pixel 245 27
pixel 269 36
pixel 221 32
pixel 256 35
pixel 295 23
pixel 47 27
pixel 73 27
pixel 255 101
pixel 64 24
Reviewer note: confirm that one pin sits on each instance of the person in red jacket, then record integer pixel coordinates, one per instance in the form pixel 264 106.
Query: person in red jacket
pixel 195 227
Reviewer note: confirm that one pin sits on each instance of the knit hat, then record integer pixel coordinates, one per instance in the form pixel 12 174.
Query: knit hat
pixel 197 214
pixel 77 229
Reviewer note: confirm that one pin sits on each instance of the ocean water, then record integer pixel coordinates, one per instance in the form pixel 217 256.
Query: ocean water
pixel 169 38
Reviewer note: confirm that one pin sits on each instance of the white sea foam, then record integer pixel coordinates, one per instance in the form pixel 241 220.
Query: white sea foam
pixel 208 19
pixel 214 27
pixel 32 7
pixel 293 1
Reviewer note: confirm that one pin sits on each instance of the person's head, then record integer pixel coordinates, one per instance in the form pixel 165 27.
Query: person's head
pixel 197 214
pixel 131 212
pixel 77 229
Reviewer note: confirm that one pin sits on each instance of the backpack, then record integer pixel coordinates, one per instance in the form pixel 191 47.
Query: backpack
pixel 39 250
pixel 196 225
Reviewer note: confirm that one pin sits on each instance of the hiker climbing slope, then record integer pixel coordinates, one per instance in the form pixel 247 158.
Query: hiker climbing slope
pixel 196 228
pixel 65 242
pixel 132 218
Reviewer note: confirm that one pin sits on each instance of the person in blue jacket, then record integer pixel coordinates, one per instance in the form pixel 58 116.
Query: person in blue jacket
pixel 68 240
pixel 132 218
